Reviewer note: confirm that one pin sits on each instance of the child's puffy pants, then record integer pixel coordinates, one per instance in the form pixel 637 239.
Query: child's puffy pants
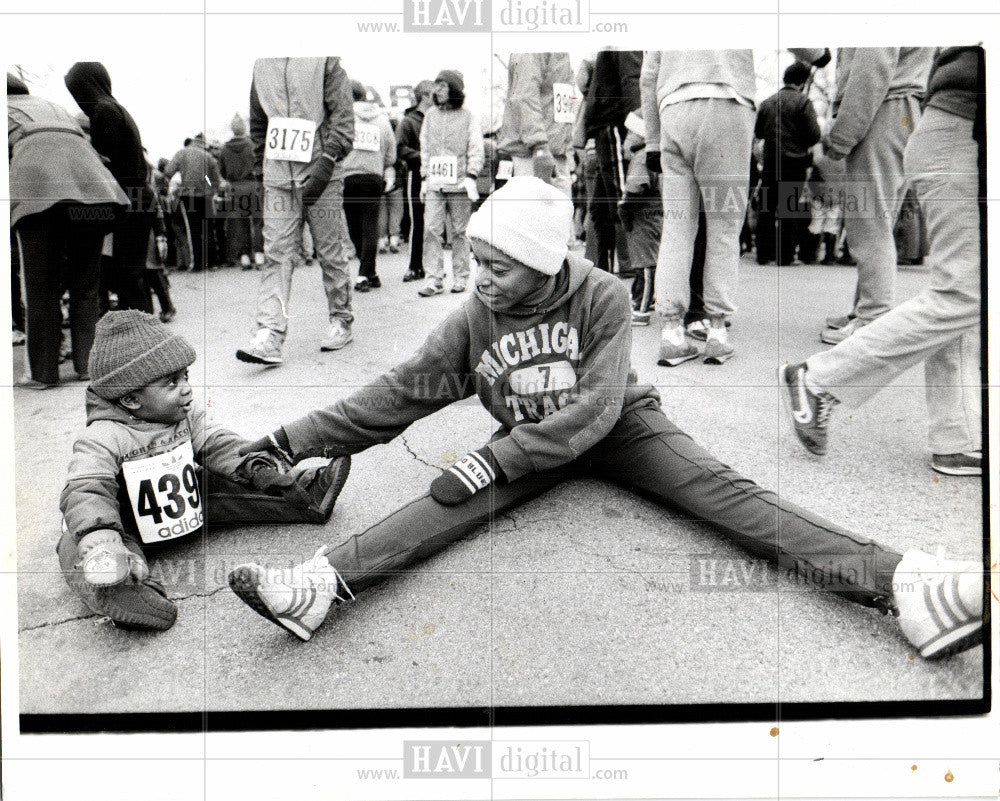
pixel 227 503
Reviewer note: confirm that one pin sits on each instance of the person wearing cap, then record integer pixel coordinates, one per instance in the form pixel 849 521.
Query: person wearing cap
pixel 151 469
pixel 451 156
pixel 244 238
pixel 545 344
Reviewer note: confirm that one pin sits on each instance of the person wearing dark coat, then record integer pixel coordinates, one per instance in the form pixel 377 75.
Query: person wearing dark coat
pixel 408 151
pixel 787 123
pixel 114 135
pixel 244 236
pixel 612 94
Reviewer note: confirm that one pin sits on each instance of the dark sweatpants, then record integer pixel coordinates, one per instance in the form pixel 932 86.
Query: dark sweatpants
pixel 647 453
pixel 362 194
pixel 61 248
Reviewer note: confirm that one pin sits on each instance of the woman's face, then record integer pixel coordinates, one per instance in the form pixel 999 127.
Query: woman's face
pixel 503 281
pixel 441 92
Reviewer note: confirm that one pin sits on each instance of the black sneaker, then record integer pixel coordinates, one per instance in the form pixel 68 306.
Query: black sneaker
pixel 412 275
pixel 323 486
pixel 810 409
pixel 362 285
pixel 375 282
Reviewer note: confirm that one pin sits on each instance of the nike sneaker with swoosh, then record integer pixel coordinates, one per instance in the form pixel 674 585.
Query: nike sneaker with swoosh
pixel 810 409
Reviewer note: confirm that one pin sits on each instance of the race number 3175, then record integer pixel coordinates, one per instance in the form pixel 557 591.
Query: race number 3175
pixel 289 139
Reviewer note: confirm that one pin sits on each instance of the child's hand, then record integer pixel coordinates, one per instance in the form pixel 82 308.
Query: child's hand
pixel 473 472
pixel 106 561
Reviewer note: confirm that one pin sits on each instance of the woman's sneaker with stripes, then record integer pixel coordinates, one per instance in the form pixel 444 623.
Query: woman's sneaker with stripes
pixel 297 598
pixel 940 603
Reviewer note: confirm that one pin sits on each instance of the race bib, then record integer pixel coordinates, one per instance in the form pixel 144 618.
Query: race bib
pixel 505 170
pixel 565 102
pixel 289 139
pixel 443 170
pixel 367 137
pixel 164 495
pixel 543 378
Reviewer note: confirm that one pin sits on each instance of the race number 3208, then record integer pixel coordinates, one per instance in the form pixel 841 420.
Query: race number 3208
pixel 289 139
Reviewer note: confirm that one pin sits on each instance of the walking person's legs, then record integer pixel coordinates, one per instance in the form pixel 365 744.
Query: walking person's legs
pixel 459 207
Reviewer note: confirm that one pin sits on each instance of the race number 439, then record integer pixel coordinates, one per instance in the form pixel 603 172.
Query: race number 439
pixel 289 139
pixel 164 494
pixel 443 170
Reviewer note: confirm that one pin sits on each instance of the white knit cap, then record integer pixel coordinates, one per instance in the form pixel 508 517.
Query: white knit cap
pixel 527 219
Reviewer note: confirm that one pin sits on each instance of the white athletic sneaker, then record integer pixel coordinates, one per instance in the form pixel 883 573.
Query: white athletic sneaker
pixel 674 347
pixel 264 348
pixel 297 597
pixel 718 348
pixel 338 335
pixel 940 603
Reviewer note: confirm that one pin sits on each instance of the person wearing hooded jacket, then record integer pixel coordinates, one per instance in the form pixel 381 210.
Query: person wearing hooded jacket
pixel 368 170
pixel 451 156
pixel 302 126
pixel 543 346
pixel 538 117
pixel 243 228
pixel 115 135
pixel 63 203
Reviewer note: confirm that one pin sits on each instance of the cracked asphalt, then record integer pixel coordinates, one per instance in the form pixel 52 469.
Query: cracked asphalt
pixel 582 596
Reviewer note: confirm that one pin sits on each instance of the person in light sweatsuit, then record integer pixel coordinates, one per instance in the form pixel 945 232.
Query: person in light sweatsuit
pixel 451 156
pixel 545 344
pixel 537 144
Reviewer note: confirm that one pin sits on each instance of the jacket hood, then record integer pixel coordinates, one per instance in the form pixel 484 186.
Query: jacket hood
pixel 366 110
pixel 88 82
pixel 456 87
pixel 100 409
pixel 556 291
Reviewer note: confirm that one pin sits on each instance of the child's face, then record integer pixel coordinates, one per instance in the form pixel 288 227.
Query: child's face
pixel 503 281
pixel 166 400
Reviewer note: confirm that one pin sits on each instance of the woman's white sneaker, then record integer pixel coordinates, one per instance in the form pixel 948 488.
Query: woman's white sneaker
pixel 297 597
pixel 940 603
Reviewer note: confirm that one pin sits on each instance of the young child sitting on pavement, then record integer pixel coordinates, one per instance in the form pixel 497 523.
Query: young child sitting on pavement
pixel 151 468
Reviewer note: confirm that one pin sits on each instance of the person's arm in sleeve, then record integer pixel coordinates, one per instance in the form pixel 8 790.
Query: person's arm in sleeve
pixel 89 499
pixel 526 93
pixel 865 90
pixel 212 173
pixel 812 131
pixel 215 446
pixel 338 127
pixel 258 130
pixel 629 72
pixel 474 155
pixel 596 402
pixel 408 146
pixel 650 108
pixel 433 378
pixel 389 150
pixel 425 156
